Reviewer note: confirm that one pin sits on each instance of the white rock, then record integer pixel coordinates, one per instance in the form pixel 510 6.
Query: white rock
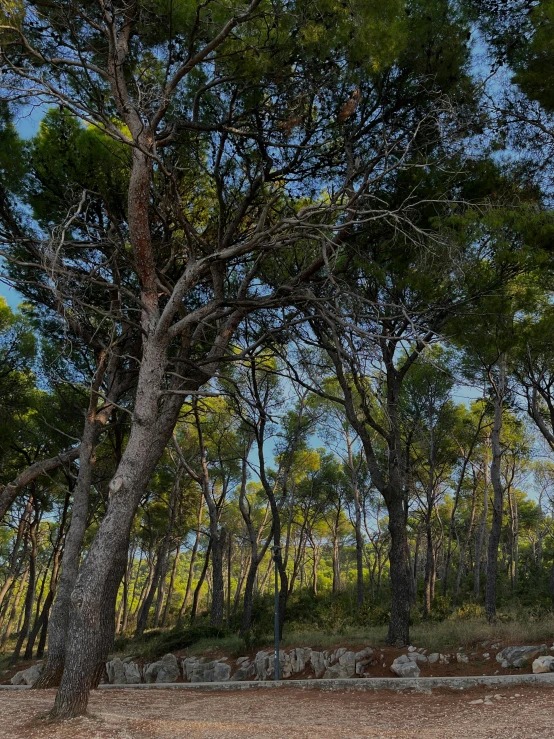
pixel 319 662
pixel 417 657
pixel 132 673
pixel 543 664
pixel 405 669
pixel 404 659
pixel 222 672
pixel 432 658
pixel 28 676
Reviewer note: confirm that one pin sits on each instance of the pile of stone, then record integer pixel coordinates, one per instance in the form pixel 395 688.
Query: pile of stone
pixel 304 662
pixel 519 656
pixel 309 662
pixel 407 665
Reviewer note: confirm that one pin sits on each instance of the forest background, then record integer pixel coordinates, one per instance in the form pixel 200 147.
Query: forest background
pixel 287 281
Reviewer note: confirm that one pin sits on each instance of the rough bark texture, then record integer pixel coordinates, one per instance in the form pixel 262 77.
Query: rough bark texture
pixel 150 433
pixel 59 618
pixel 399 622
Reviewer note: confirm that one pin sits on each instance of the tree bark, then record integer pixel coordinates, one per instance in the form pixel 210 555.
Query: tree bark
pixel 59 618
pixel 399 622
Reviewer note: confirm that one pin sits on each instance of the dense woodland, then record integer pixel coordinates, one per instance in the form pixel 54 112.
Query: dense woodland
pixel 286 275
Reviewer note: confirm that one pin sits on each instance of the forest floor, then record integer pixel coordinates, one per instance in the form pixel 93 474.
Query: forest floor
pixel 520 713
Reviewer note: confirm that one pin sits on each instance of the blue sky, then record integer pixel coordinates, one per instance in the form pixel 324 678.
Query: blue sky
pixel 13 298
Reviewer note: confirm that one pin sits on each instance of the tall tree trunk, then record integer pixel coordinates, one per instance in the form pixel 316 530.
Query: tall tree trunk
pixel 91 598
pixel 59 618
pixel 30 595
pixel 357 526
pixel 42 620
pixel 399 622
pixel 160 568
pixel 481 534
pixel 199 584
pixel 13 612
pixel 496 528
pixel 171 586
pixel 219 543
pixel 336 563
pixel 192 562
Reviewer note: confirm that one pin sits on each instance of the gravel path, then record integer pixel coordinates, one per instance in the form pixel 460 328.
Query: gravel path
pixel 523 713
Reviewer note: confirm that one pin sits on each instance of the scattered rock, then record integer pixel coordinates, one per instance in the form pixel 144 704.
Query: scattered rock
pixel 222 672
pixel 165 670
pixel 28 676
pixel 405 667
pixel 116 672
pixel 363 659
pixel 432 658
pixel 543 664
pixel 521 655
pixel 462 658
pixel 417 657
pixel 319 662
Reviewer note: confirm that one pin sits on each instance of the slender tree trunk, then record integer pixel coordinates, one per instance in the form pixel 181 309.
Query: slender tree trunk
pixel 229 556
pixel 30 595
pixel 60 616
pixel 219 543
pixel 13 612
pixel 171 586
pixel 463 548
pixel 336 563
pixel 357 526
pixel 199 584
pixel 192 562
pixel 429 567
pixel 496 528
pixel 481 535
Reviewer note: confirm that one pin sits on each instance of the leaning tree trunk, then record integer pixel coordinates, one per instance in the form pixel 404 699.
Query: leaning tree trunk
pixel 151 430
pixel 59 617
pixel 496 481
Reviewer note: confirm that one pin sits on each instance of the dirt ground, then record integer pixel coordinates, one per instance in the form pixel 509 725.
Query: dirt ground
pixel 518 713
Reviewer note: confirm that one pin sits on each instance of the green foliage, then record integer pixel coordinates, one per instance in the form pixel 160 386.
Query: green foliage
pixel 69 159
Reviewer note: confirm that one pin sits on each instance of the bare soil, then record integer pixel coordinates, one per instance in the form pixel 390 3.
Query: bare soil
pixel 523 713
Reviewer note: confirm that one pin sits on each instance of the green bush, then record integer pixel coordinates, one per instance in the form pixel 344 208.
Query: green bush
pixel 469 610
